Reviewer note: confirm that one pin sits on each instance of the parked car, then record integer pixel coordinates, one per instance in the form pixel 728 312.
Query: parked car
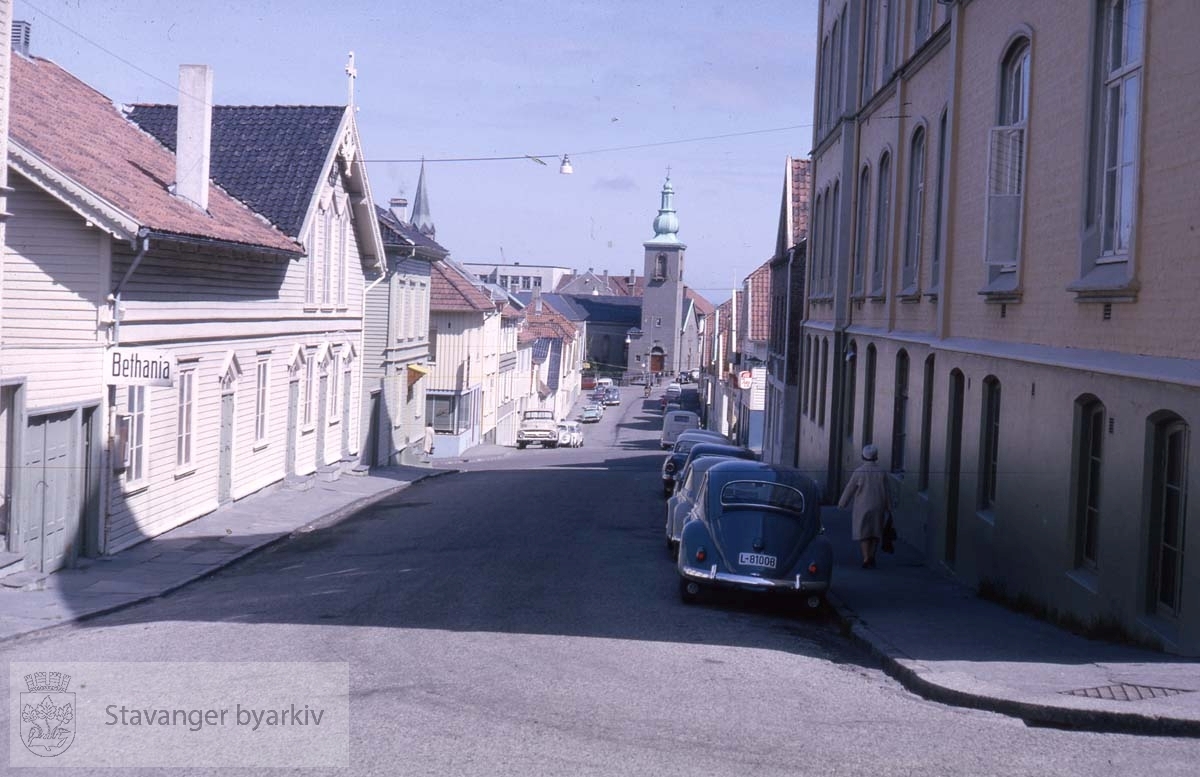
pixel 683 445
pixel 537 426
pixel 612 396
pixel 591 414
pixel 570 434
pixel 755 527
pixel 701 449
pixel 684 498
pixel 675 423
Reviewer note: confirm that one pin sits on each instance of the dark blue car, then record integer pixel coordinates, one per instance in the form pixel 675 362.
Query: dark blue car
pixel 756 527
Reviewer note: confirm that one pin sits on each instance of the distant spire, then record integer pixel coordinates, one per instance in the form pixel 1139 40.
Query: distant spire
pixel 420 208
pixel 666 224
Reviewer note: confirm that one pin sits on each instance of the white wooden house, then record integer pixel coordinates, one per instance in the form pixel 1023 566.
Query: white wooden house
pixel 251 290
pixel 396 337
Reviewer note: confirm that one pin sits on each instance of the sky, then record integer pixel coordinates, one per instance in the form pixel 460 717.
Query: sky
pixel 454 79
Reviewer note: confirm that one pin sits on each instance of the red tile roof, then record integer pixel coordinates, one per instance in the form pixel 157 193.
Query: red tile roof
pixel 450 291
pixel 703 306
pixel 79 133
pixel 758 316
pixel 547 322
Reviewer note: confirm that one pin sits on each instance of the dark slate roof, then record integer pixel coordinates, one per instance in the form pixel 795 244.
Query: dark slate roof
pixel 563 303
pixel 401 233
pixel 626 311
pixel 271 157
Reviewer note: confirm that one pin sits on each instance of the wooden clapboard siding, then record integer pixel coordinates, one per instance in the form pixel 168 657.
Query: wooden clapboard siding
pixel 56 376
pixel 52 272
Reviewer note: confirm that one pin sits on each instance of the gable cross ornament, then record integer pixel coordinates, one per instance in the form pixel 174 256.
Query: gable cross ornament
pixel 352 73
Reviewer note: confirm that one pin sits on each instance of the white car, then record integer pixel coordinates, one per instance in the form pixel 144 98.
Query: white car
pixel 570 434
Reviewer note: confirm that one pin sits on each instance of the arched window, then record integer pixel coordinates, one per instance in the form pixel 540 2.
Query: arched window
pixel 1006 160
pixel 851 379
pixel 989 443
pixel 926 424
pixel 862 230
pixel 1168 511
pixel 1089 439
pixel 882 223
pixel 916 209
pixel 900 412
pixel 869 397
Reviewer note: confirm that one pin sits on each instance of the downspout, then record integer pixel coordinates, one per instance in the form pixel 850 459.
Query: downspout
pixel 115 297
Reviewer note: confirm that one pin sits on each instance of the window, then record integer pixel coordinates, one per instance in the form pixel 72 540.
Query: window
pixel 834 227
pixel 989 443
pixel 924 20
pixel 823 88
pixel 926 424
pixel 816 236
pixel 900 412
pixel 1168 513
pixel 314 258
pixel 334 389
pixel 862 228
pixel 342 258
pixel 870 8
pixel 882 224
pixel 807 371
pixel 135 406
pixel 916 206
pixel 1006 161
pixel 824 379
pixel 433 332
pixel 262 373
pixel 310 388
pixel 813 381
pixel 1089 439
pixel 889 37
pixel 851 378
pixel 869 398
pixel 835 97
pixel 935 264
pixel 327 258
pixel 1120 104
pixel 448 413
pixel 660 267
pixel 186 409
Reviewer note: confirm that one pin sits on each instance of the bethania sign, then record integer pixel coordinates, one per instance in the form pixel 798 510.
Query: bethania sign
pixel 139 367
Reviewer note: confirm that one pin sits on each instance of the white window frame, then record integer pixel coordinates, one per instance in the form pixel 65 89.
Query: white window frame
pixel 185 418
pixel 1117 112
pixel 262 394
pixel 883 225
pixel 1007 155
pixel 136 474
pixel 310 378
pixel 334 386
pixel 862 227
pixel 327 256
pixel 343 259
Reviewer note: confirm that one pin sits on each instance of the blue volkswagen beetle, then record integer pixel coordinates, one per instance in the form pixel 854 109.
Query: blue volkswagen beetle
pixel 755 527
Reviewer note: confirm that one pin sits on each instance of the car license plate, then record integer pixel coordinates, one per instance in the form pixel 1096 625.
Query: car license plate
pixel 756 560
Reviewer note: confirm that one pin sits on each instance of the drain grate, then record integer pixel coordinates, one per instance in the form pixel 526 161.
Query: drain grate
pixel 1125 692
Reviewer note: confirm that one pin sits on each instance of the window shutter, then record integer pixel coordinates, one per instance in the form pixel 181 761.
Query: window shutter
pixel 1006 185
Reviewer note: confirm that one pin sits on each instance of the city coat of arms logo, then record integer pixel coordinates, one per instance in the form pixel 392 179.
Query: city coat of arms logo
pixel 47 714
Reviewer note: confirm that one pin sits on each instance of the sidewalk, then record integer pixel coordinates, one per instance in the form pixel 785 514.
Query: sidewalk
pixel 32 602
pixel 943 642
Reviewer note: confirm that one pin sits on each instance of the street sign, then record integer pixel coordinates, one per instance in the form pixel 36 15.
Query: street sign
pixel 138 367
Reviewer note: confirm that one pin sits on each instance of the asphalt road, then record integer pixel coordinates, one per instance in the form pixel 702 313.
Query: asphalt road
pixel 522 618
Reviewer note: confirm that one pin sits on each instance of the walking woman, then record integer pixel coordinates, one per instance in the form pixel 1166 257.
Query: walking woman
pixel 869 496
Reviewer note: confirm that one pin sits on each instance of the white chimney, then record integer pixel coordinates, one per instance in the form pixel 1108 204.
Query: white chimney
pixel 399 207
pixel 193 134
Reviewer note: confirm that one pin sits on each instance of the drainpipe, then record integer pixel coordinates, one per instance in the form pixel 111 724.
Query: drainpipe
pixel 115 297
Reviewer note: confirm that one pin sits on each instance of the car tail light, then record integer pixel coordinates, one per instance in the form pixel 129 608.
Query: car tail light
pixel 812 568
pixel 701 554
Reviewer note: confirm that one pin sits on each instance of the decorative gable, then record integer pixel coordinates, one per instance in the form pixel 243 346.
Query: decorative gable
pixel 231 371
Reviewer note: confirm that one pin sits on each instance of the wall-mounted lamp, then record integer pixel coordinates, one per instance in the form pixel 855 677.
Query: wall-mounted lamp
pixel 565 168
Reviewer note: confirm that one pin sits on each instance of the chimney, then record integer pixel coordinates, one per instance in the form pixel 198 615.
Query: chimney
pixel 537 301
pixel 20 36
pixel 399 208
pixel 193 139
pixel 632 276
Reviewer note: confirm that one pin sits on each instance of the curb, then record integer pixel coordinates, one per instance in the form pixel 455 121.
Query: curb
pixel 329 519
pixel 908 672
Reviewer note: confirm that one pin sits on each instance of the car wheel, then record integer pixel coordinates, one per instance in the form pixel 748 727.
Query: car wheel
pixel 690 591
pixel 521 445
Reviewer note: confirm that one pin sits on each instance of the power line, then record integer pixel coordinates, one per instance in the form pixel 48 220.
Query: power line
pixel 541 157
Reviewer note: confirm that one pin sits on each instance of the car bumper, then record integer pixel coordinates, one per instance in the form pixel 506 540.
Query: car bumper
pixel 729 579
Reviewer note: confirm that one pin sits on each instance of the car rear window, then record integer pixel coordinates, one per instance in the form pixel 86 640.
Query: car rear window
pixel 681 418
pixel 758 492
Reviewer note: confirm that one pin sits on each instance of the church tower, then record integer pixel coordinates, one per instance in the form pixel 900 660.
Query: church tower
pixel 662 298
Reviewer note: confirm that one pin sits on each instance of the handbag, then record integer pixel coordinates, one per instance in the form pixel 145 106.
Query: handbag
pixel 888 543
